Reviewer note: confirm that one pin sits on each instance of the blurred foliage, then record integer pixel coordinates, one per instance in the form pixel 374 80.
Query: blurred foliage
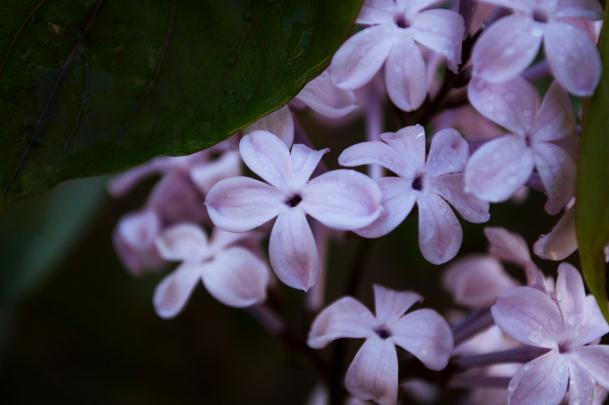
pixel 37 233
pixel 592 208
pixel 88 87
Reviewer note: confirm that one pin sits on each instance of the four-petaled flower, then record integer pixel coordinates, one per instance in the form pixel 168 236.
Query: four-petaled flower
pixel 428 184
pixel 339 199
pixel 568 324
pixel 508 46
pixel 231 273
pixel 394 29
pixel 373 374
pixel 539 138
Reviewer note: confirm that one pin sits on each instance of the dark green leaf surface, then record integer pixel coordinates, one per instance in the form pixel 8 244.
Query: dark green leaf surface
pixel 89 87
pixel 592 208
pixel 36 233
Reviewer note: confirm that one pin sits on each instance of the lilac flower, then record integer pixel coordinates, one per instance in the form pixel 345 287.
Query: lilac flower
pixel 134 238
pixel 177 197
pixel 512 43
pixel 326 99
pixel 567 324
pixel 431 185
pixel 373 374
pixel 232 274
pixel 536 141
pixel 394 30
pixel 339 199
pixel 561 241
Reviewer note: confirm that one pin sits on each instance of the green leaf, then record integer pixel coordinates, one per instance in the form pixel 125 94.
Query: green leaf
pixel 35 234
pixel 89 87
pixel 592 207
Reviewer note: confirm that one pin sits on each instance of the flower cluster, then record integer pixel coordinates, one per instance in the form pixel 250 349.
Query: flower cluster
pixel 484 118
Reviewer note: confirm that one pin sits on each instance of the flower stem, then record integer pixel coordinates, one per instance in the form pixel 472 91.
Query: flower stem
pixel 521 354
pixel 463 381
pixel 473 324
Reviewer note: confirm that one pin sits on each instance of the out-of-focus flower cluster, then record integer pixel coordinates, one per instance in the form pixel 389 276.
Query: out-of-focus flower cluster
pixel 503 123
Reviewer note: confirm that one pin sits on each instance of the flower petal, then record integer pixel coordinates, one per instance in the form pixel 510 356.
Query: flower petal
pixel 511 104
pixel 304 162
pixel 475 281
pixel 581 385
pixel 373 374
pixel 240 204
pixel 499 168
pixel 176 199
pixel 561 242
pixel 279 122
pixel 172 293
pixel 406 75
pixel 557 170
pixel 323 97
pixel 342 199
pixel 133 240
pixel 593 328
pixel 358 59
pixel 206 174
pixel 573 58
pixel 426 335
pixel 588 9
pixel 555 119
pixel 182 242
pixel 440 233
pixel 390 305
pixel 374 152
pixel 409 143
pixel 267 156
pixel 292 250
pixel 448 153
pixel 571 295
pixel 595 359
pixel 376 12
pixel 506 48
pixel 508 246
pixel 450 187
pixel 441 31
pixel 236 278
pixel 520 5
pixel 529 316
pixel 397 201
pixel 541 381
pixel 344 318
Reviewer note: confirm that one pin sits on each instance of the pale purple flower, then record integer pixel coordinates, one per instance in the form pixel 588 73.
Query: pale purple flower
pixel 339 199
pixel 177 197
pixel 373 374
pixel 508 46
pixel 568 324
pixel 232 274
pixel 535 141
pixel 431 184
pixel 561 241
pixel 395 31
pixel 133 239
pixel 326 99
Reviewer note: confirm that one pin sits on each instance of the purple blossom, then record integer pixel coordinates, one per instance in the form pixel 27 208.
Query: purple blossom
pixel 373 374
pixel 431 184
pixel 394 30
pixel 568 324
pixel 536 141
pixel 339 199
pixel 232 274
pixel 510 45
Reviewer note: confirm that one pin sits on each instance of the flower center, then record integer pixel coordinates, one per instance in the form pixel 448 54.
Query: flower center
pixel 540 16
pixel 401 21
pixel 294 200
pixel 383 332
pixel 563 348
pixel 417 183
